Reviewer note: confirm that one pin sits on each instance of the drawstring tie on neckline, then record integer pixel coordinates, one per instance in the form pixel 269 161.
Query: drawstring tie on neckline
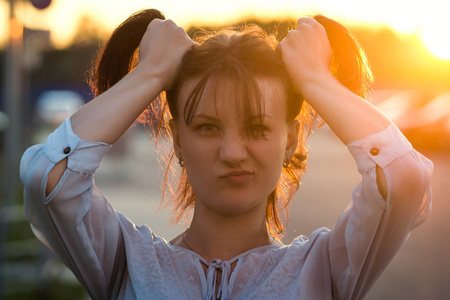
pixel 211 279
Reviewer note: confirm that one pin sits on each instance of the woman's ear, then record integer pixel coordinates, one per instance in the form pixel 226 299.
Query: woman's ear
pixel 292 139
pixel 175 137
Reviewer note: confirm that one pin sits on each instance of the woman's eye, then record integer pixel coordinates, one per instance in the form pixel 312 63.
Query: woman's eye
pixel 258 131
pixel 208 128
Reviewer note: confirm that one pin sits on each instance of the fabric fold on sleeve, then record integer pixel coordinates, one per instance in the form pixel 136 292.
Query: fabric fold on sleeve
pixel 380 148
pixel 75 220
pixel 371 230
pixel 85 156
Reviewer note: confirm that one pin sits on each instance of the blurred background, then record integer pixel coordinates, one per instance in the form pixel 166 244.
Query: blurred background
pixel 47 47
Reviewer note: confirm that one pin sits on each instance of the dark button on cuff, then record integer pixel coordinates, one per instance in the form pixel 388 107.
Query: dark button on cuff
pixel 67 150
pixel 374 151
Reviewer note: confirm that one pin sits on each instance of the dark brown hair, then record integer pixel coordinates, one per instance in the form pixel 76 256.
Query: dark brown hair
pixel 240 55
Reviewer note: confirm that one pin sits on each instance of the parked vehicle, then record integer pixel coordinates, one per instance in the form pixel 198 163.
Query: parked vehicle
pixel 422 116
pixel 53 107
pixel 429 126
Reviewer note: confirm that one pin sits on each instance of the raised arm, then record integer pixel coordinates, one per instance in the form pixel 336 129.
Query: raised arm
pixel 307 54
pixel 72 217
pixel 371 230
pixel 108 116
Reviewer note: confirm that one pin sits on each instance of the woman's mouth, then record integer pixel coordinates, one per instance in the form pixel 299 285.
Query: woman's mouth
pixel 237 177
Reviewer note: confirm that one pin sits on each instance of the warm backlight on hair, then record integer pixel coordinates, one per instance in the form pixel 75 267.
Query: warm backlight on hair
pixel 435 37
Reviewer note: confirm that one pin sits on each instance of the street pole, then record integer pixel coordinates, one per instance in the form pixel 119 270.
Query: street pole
pixel 12 143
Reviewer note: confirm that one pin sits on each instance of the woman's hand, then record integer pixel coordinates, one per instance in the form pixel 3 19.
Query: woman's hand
pixel 161 50
pixel 108 116
pixel 306 53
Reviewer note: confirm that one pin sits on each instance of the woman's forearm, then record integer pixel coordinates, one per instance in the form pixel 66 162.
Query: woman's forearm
pixel 347 114
pixel 107 117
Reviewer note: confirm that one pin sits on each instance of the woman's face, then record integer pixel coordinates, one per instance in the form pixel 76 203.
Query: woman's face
pixel 230 171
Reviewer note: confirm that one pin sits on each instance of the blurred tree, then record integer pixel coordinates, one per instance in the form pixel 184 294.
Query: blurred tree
pixel 68 68
pixel 90 31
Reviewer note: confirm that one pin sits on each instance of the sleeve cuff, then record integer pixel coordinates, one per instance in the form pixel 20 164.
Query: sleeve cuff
pixel 380 148
pixel 85 156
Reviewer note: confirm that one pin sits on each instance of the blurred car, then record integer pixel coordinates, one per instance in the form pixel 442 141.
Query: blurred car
pixel 429 127
pixel 53 107
pixel 397 105
pixel 4 121
pixel 422 116
pixel 4 124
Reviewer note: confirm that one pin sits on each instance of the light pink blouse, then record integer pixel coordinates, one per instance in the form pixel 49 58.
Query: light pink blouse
pixel 114 259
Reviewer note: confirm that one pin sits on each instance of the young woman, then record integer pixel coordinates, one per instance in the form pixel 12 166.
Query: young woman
pixel 239 127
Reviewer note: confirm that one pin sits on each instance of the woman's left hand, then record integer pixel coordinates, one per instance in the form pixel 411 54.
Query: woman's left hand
pixel 306 53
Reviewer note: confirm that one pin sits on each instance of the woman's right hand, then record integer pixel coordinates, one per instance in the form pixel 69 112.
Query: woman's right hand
pixel 161 49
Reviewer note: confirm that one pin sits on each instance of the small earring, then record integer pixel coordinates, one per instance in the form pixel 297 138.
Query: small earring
pixel 286 163
pixel 180 160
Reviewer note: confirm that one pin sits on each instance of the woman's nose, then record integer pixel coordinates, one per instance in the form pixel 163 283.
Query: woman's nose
pixel 233 149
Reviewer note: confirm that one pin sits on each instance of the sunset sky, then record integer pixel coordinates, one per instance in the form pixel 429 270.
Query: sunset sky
pixel 428 19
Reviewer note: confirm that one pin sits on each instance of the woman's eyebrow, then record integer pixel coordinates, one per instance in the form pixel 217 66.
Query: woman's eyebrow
pixel 205 116
pixel 215 118
pixel 259 117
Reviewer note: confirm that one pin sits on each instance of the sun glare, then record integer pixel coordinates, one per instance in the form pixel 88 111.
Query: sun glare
pixel 63 17
pixel 435 40
pixel 437 43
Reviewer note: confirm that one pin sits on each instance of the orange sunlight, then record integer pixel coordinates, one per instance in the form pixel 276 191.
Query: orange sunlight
pixel 63 17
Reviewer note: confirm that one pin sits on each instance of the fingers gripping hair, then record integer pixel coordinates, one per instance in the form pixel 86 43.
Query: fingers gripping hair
pixel 349 63
pixel 115 60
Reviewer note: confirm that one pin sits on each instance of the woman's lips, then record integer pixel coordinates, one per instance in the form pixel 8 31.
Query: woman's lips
pixel 237 177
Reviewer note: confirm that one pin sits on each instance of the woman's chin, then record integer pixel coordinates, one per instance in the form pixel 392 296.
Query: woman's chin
pixel 236 207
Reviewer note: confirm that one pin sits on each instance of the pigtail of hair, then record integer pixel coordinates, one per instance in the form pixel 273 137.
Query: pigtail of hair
pixel 117 57
pixel 349 63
